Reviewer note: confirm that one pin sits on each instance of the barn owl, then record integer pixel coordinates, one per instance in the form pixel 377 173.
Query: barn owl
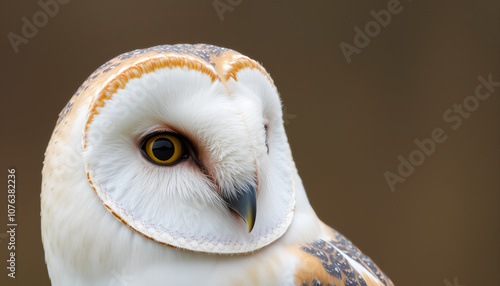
pixel 170 166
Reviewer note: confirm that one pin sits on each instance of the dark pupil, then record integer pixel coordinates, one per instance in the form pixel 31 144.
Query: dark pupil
pixel 163 149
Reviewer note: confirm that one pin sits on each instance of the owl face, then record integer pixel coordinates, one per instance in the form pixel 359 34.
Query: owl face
pixel 186 146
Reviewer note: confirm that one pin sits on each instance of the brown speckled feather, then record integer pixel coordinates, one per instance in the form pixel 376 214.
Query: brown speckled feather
pixel 330 262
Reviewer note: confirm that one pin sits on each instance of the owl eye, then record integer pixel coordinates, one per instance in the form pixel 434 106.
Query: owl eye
pixel 164 148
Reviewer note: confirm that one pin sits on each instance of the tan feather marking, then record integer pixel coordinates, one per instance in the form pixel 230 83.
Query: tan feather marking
pixel 332 261
pixel 310 269
pixel 136 71
pixel 242 63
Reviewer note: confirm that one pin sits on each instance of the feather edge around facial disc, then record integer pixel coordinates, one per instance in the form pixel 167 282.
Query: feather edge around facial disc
pixel 218 68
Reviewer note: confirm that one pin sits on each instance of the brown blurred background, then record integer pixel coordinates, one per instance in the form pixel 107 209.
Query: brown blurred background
pixel 347 122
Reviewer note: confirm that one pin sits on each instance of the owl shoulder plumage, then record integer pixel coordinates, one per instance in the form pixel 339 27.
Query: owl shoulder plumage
pixel 334 260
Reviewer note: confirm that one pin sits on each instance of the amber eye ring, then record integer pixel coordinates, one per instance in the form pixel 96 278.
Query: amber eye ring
pixel 164 148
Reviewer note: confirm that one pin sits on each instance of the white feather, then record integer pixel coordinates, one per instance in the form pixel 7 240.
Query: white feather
pixel 86 245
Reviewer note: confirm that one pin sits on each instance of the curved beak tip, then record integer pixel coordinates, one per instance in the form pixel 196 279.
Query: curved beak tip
pixel 245 205
pixel 250 220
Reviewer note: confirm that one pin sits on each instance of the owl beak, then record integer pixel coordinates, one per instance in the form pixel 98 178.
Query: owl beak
pixel 245 205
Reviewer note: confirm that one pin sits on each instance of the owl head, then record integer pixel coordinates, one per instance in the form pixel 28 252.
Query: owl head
pixel 185 145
